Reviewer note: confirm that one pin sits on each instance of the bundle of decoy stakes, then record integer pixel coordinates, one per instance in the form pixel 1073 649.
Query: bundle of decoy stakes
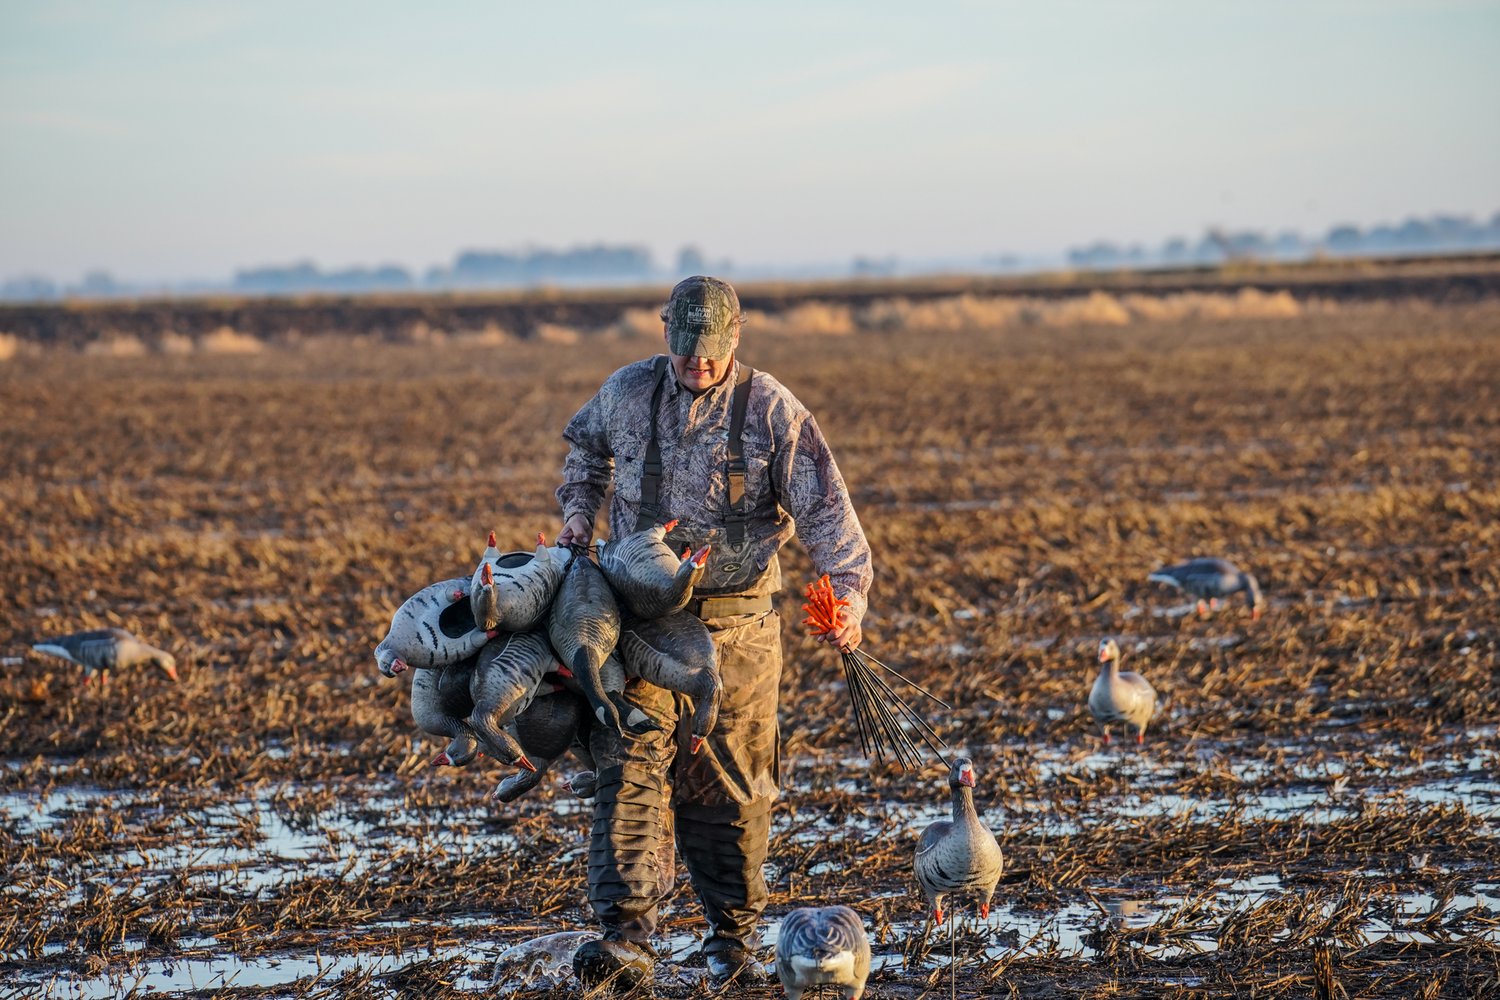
pixel 881 717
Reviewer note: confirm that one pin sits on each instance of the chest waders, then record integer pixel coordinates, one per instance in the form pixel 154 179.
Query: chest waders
pixel 720 797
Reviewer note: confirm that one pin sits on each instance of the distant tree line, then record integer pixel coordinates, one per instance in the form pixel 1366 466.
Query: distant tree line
pixel 1438 234
pixel 628 264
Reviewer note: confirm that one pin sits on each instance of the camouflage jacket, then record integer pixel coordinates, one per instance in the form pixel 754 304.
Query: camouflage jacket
pixel 791 480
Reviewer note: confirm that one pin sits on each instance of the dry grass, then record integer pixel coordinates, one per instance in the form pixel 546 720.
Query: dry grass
pixel 262 516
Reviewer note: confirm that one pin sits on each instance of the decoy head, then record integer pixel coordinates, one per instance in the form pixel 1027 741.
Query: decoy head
pixel 962 773
pixel 387 661
pixel 167 662
pixel 1108 650
pixel 490 543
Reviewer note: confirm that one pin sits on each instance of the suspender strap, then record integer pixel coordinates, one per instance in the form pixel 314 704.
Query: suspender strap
pixel 651 471
pixel 734 523
pixel 650 510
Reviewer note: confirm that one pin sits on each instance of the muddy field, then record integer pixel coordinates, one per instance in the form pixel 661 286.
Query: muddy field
pixel 1315 813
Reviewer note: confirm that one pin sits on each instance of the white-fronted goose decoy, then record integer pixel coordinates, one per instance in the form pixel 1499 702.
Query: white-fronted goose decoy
pixel 584 627
pixel 507 675
pixel 651 580
pixel 512 591
pixel 959 854
pixel 98 651
pixel 676 652
pixel 435 627
pixel 440 706
pixel 1212 580
pixel 823 946
pixel 552 724
pixel 1120 696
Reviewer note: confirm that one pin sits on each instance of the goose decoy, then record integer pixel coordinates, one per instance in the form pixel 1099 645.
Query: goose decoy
pixel 651 580
pixel 440 706
pixel 961 854
pixel 512 591
pixel 482 587
pixel 1212 580
pixel 434 628
pixel 677 652
pixel 552 724
pixel 823 946
pixel 584 626
pixel 98 651
pixel 507 676
pixel 460 701
pixel 1120 696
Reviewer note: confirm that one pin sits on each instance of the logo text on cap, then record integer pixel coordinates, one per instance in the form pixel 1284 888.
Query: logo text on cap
pixel 699 314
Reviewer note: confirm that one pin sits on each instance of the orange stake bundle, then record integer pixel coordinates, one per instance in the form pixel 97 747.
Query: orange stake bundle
pixel 823 614
pixel 881 717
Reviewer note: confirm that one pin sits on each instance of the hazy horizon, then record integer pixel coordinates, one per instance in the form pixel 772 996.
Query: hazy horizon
pixel 178 141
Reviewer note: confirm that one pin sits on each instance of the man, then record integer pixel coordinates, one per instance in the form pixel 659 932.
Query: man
pixel 732 455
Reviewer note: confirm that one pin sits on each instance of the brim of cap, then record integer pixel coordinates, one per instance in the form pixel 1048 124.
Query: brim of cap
pixel 697 344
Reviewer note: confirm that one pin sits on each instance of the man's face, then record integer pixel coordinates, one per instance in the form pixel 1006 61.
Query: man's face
pixel 699 374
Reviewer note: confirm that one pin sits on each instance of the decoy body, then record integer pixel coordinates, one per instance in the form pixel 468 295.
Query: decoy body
pixel 507 676
pixel 472 701
pixel 440 706
pixel 961 854
pixel 584 627
pixel 1120 696
pixel 650 579
pixel 1212 580
pixel 99 651
pixel 823 946
pixel 512 591
pixel 434 628
pixel 677 652
pixel 551 725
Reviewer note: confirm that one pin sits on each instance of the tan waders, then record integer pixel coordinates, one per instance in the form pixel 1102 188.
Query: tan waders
pixel 720 798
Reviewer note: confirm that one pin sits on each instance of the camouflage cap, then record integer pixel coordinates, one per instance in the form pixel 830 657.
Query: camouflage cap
pixel 702 316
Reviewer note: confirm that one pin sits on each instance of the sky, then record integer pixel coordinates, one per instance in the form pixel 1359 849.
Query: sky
pixel 177 140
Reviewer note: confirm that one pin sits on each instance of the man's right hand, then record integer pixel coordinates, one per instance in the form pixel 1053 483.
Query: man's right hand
pixel 576 530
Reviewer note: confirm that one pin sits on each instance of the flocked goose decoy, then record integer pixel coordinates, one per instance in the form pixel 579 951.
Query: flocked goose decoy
pixel 651 580
pixel 435 627
pixel 677 652
pixel 584 626
pixel 1212 580
pixel 512 591
pixel 823 946
pixel 959 854
pixel 99 651
pixel 1120 696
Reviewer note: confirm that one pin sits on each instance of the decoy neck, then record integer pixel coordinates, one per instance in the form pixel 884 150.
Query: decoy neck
pixel 961 781
pixel 1253 599
pixel 1109 658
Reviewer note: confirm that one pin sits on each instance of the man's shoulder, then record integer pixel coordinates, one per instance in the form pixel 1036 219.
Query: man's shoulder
pixel 776 399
